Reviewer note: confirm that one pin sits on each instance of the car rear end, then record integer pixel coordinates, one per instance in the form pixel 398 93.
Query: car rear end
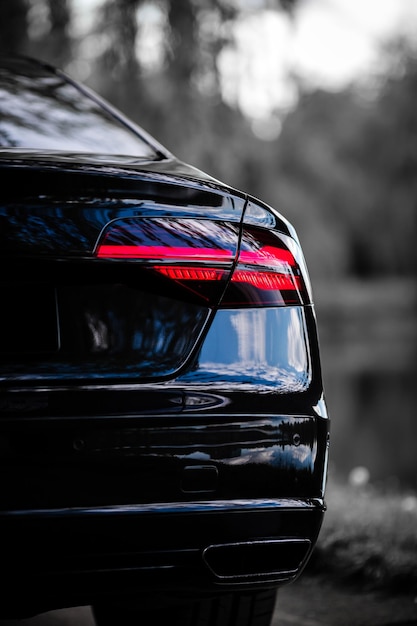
pixel 162 422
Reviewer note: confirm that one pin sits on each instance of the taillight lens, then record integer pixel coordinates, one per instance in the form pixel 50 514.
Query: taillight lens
pixel 193 256
pixel 201 258
pixel 268 272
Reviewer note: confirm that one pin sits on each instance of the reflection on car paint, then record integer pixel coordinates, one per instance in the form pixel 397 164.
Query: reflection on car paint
pixel 255 347
pixel 65 216
pixel 45 112
pixel 173 507
pixel 283 442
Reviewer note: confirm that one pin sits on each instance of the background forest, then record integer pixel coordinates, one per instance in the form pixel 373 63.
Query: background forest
pixel 341 164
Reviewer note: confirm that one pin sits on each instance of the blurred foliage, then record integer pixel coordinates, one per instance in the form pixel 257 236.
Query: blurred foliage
pixel 368 538
pixel 343 169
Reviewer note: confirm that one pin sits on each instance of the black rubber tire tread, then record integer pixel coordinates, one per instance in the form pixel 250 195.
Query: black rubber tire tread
pixel 237 609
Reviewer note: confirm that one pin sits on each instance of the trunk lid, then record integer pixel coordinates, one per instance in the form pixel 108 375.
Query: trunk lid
pixel 70 315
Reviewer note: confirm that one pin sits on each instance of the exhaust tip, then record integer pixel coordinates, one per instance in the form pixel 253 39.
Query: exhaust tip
pixel 267 560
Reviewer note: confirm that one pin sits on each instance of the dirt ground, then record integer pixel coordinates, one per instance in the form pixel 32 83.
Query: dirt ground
pixel 310 601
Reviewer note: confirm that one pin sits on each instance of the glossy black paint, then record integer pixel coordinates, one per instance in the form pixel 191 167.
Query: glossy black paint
pixel 60 206
pixel 151 441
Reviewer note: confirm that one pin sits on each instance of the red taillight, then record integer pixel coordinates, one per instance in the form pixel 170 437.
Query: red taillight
pixel 274 256
pixel 266 280
pixel 200 257
pixel 170 253
pixel 267 272
pixel 195 256
pixel 190 273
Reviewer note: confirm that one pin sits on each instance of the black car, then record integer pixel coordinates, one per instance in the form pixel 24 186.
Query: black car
pixel 163 429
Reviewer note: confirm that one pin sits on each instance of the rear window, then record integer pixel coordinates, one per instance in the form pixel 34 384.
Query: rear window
pixel 41 110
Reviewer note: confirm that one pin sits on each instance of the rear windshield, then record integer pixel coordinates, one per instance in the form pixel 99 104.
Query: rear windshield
pixel 41 110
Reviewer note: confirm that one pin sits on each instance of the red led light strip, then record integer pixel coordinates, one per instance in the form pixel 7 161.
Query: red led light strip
pixel 190 273
pixel 268 281
pixel 267 255
pixel 163 252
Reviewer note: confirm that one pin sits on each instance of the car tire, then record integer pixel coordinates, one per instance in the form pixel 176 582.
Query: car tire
pixel 237 609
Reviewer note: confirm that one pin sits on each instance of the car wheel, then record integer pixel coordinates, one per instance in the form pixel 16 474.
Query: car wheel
pixel 238 609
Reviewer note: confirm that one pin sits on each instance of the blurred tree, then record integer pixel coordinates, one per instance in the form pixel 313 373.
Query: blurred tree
pixel 390 156
pixel 13 26
pixel 36 27
pixel 191 36
pixel 347 171
pixel 59 41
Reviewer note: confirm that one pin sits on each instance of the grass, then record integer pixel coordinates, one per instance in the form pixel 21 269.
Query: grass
pixel 369 537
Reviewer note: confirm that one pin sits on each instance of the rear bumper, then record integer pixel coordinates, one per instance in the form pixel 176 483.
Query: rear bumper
pixel 155 505
pixel 68 557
